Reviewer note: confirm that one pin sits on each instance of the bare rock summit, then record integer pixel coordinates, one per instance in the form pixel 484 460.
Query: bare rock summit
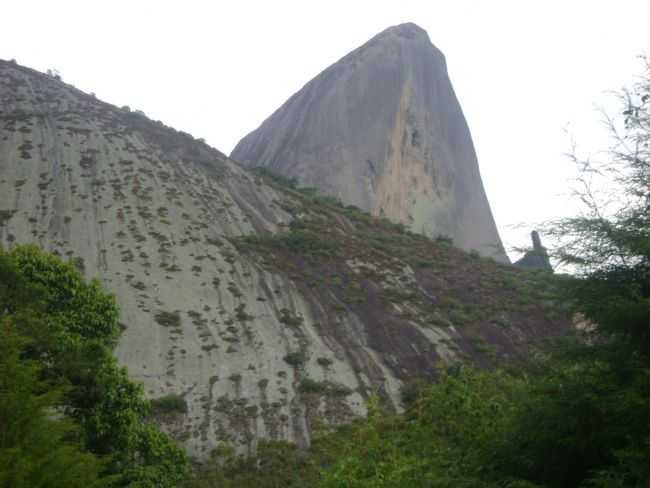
pixel 382 129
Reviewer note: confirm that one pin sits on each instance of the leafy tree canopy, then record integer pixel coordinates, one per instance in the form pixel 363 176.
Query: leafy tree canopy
pixel 58 332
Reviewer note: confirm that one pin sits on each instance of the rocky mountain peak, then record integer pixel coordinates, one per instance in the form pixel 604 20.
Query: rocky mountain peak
pixel 382 129
pixel 408 30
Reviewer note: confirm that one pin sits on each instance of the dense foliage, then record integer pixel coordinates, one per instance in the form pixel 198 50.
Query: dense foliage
pixel 36 450
pixel 66 405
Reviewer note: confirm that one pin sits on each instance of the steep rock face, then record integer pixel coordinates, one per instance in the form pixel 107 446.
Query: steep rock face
pixel 264 309
pixel 382 129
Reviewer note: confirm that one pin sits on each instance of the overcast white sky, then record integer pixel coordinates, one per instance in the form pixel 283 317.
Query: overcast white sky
pixel 525 72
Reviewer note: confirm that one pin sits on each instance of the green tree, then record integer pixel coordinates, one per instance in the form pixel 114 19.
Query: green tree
pixel 582 405
pixel 37 450
pixel 71 326
pixel 608 244
pixel 600 401
pixel 76 310
pixel 446 438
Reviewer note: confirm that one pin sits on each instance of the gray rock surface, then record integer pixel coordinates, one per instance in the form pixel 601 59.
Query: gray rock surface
pixel 537 257
pixel 382 129
pixel 157 216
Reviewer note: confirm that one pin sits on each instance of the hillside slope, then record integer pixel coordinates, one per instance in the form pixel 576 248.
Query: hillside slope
pixel 264 307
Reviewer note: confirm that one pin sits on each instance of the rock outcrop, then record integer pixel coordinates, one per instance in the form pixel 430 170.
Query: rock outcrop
pixel 264 309
pixel 537 257
pixel 382 129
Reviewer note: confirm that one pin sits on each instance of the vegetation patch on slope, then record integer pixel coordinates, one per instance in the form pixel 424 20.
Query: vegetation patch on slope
pixel 378 270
